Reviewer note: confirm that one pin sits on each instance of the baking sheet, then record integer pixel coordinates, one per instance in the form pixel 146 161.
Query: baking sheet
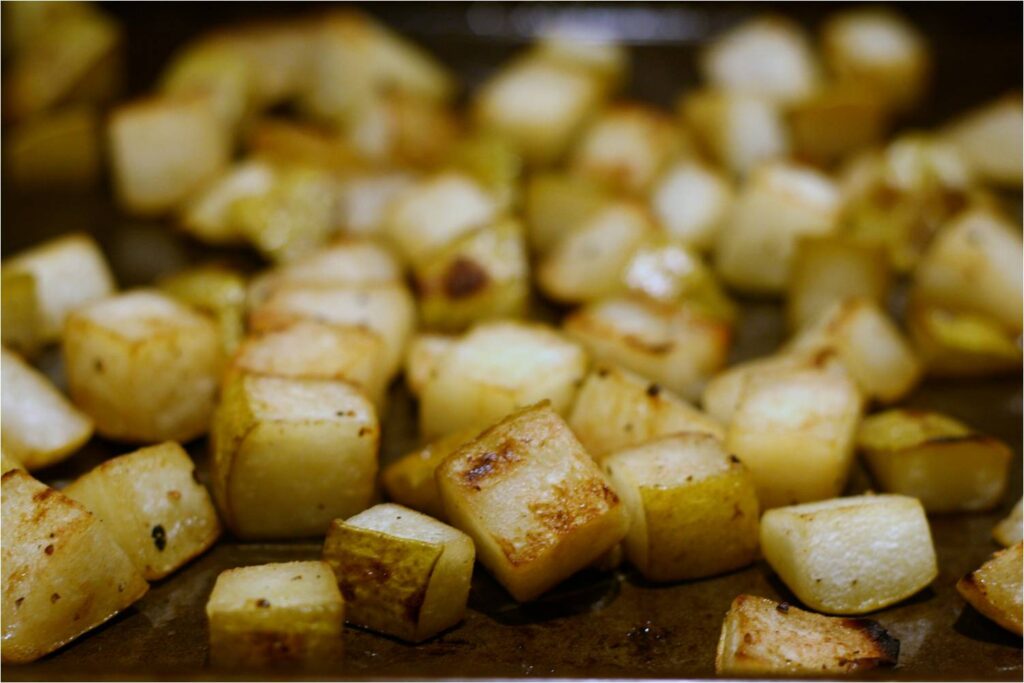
pixel 596 624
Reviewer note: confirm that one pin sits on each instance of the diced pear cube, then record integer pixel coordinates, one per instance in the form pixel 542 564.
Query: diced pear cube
pixel 480 276
pixel 663 269
pixel 436 211
pixel 995 589
pixel 878 49
pixel 778 205
pixel 829 269
pixel 421 360
pixel 768 56
pixel 69 272
pixel 63 574
pixel 794 428
pixel 691 202
pixel 738 130
pixel 402 130
pixel 410 480
pixel 851 555
pixel 590 262
pixel 216 290
pixel 627 146
pixel 990 140
pixel 975 264
pixel 957 344
pixel 290 455
pixel 536 505
pixel 693 509
pixel 764 637
pixel 538 104
pixel 836 121
pixel 401 573
pixel 39 427
pixel 675 345
pixel 342 263
pixel 617 409
pixel 357 58
pixel 876 354
pixel 722 393
pixel 281 614
pixel 555 203
pixel 936 459
pixel 21 326
pixel 153 506
pixel 586 47
pixel 164 149
pixel 387 309
pixel 207 213
pixel 1009 530
pixel 295 216
pixel 218 69
pixel 143 366
pixel 307 349
pixel 496 368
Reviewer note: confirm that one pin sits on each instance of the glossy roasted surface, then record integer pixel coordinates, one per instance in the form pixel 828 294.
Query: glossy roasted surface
pixel 596 624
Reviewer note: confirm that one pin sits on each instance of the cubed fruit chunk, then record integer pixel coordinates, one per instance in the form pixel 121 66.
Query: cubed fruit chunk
pixel 283 614
pixel 975 265
pixel 990 140
pixel 995 589
pixel 401 573
pixel 496 368
pixel 410 480
pixel 869 344
pixel 163 149
pixel 691 202
pixel 216 290
pixel 693 508
pixel 674 344
pixel 63 574
pixel 879 50
pixel 152 505
pixel 480 276
pixel 307 349
pixel 143 366
pixel 535 504
pixel 68 272
pixel 387 309
pixel 769 56
pixel 739 130
pixel 436 211
pixel 539 104
pixel 764 637
pixel 958 344
pixel 615 409
pixel 39 426
pixel 290 455
pixel 936 459
pixel 1007 532
pixel 780 203
pixel 851 555
pixel 794 427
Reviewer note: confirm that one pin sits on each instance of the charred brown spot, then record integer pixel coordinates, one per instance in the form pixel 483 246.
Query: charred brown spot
pixel 782 607
pixel 17 603
pixel 574 507
pixel 736 514
pixel 48 549
pixel 40 496
pixel 464 278
pixel 363 431
pixel 97 365
pixel 159 537
pixel 887 647
pixel 733 459
pixel 489 463
pixel 602 372
pixel 653 390
pixel 263 602
pixel 55 597
pixel 413 604
pixel 174 495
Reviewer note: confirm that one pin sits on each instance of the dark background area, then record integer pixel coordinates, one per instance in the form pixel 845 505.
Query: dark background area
pixel 611 624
